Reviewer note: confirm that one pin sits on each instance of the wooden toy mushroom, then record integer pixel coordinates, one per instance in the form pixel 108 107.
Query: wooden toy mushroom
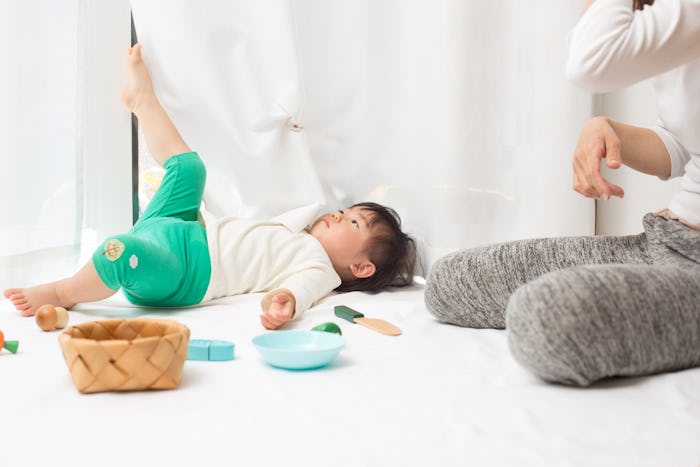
pixel 50 318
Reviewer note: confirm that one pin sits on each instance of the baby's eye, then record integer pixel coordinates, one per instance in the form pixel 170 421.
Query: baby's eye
pixel 355 224
pixel 340 211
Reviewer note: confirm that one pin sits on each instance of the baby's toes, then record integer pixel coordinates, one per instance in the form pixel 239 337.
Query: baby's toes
pixel 9 292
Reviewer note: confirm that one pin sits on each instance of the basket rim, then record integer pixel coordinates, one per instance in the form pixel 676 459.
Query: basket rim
pixel 180 329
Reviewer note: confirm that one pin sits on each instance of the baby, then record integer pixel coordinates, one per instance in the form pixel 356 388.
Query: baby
pixel 178 254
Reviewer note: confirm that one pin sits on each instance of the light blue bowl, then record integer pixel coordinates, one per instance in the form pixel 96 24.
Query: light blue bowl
pixel 299 350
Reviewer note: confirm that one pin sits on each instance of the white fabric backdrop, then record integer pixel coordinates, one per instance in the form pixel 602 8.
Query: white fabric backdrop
pixel 455 113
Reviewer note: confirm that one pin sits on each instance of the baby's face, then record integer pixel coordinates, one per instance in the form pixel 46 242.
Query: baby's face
pixel 344 235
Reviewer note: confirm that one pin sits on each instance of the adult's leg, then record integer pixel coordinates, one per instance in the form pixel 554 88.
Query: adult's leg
pixel 581 325
pixel 471 287
pixel 584 324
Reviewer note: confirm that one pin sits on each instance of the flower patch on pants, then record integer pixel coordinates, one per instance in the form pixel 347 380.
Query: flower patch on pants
pixel 113 250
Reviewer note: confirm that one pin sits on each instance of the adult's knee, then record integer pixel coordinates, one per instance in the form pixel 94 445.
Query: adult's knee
pixel 554 331
pixel 437 282
pixel 457 293
pixel 581 325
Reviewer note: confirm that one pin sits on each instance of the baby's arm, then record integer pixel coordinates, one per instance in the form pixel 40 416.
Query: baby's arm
pixel 278 307
pixel 298 293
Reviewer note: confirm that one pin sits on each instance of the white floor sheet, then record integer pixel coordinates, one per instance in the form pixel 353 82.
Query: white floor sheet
pixel 438 395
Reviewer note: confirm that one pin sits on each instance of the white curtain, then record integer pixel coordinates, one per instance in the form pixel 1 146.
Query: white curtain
pixel 228 75
pixel 58 136
pixel 456 113
pixel 40 190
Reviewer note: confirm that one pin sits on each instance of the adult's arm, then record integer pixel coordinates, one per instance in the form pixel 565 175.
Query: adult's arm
pixel 602 138
pixel 613 46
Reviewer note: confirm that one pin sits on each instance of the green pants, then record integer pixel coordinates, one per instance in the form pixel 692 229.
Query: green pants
pixel 164 259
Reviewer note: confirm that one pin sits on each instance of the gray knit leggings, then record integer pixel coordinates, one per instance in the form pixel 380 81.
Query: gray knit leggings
pixel 581 309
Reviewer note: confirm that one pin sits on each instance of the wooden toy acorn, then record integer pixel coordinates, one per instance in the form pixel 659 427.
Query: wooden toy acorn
pixel 9 345
pixel 50 318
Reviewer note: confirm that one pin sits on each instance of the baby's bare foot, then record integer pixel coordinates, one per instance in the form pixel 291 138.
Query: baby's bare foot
pixel 139 88
pixel 27 301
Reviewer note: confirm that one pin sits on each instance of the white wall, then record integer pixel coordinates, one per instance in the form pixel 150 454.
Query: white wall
pixel 635 105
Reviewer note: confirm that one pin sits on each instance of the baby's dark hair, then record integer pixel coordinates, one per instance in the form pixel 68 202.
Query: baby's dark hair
pixel 639 4
pixel 392 251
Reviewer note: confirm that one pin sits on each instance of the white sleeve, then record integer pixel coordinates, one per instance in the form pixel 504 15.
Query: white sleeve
pixel 679 155
pixel 613 46
pixel 309 286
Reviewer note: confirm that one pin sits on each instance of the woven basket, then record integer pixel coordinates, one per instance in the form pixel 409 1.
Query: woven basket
pixel 125 354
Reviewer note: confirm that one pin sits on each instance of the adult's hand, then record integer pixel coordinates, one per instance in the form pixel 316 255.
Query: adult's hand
pixel 598 141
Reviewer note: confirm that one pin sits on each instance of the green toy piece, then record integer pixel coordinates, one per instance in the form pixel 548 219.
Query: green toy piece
pixel 11 346
pixel 328 327
pixel 347 313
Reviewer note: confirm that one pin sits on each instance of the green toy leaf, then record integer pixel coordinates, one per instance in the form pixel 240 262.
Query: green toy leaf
pixel 12 346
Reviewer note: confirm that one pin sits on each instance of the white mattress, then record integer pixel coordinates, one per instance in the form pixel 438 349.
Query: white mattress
pixel 437 395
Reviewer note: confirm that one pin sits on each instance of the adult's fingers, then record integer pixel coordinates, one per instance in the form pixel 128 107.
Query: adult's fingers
pixel 590 191
pixel 591 167
pixel 613 148
pixel 582 180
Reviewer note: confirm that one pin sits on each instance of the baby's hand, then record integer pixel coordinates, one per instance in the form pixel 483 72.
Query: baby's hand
pixel 278 307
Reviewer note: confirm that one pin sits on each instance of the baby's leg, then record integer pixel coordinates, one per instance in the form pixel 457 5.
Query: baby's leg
pixel 471 288
pixel 148 270
pixel 162 138
pixel 84 286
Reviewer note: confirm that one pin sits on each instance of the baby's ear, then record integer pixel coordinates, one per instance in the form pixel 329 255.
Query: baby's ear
pixel 363 270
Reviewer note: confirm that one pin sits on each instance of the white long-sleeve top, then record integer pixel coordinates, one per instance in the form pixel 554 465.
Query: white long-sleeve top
pixel 252 256
pixel 613 46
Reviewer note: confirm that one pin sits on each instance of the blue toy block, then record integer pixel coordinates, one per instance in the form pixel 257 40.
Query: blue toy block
pixel 198 349
pixel 210 350
pixel 221 351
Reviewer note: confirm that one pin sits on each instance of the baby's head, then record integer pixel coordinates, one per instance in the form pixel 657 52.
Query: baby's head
pixel 367 247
